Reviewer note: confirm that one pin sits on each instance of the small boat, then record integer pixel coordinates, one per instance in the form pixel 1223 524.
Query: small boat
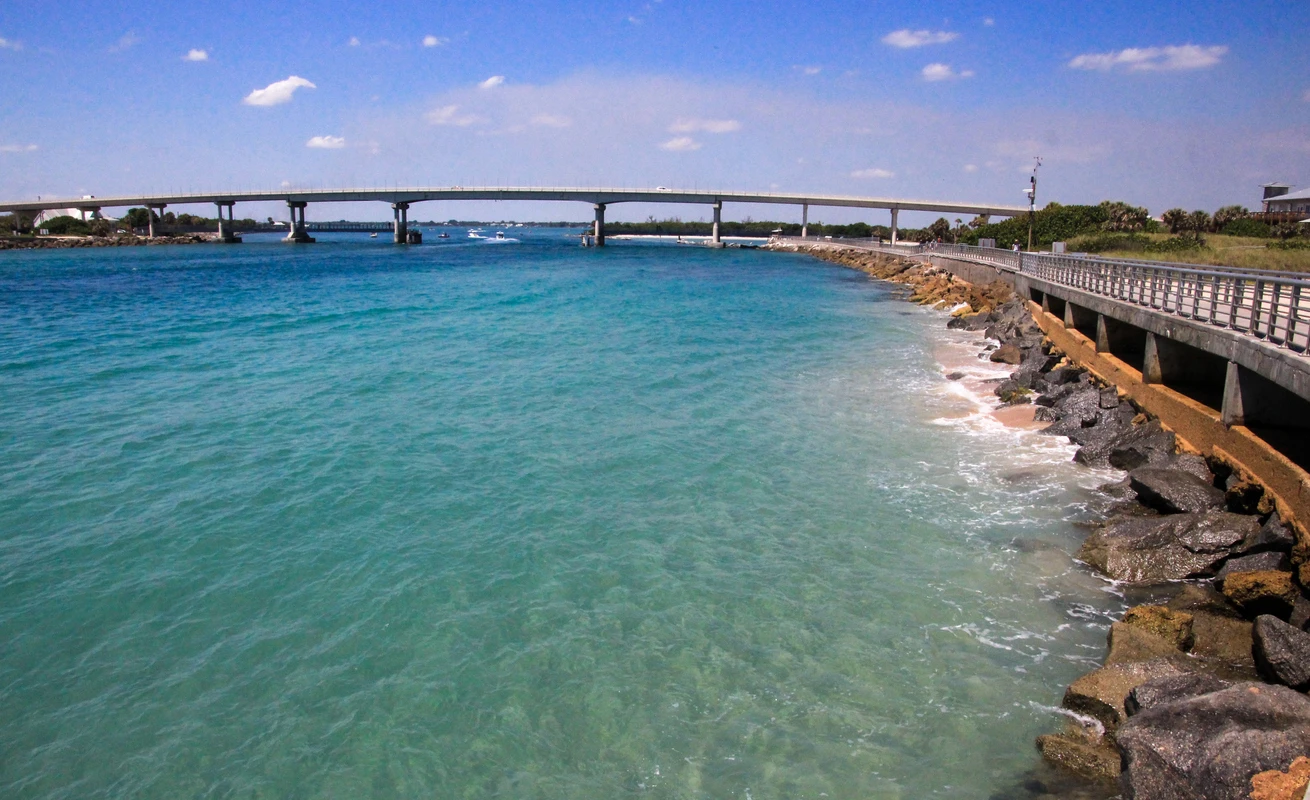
pixel 373 235
pixel 443 235
pixel 500 238
pixel 476 233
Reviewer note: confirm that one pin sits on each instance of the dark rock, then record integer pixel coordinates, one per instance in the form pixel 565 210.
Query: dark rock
pixel 1043 413
pixel 1262 592
pixel 1282 652
pixel 1256 562
pixel 1274 535
pixel 1156 549
pixel 971 322
pixel 1300 616
pixel 1101 692
pixel 955 376
pixel 1109 398
pixel 1160 691
pixel 1221 636
pixel 1211 745
pixel 1194 465
pixel 1063 375
pixel 1143 445
pixel 1006 354
pixel 1172 491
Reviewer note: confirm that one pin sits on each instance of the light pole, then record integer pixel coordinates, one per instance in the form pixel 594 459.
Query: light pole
pixel 1032 200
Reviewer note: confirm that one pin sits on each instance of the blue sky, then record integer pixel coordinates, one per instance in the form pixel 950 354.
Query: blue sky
pixel 1160 104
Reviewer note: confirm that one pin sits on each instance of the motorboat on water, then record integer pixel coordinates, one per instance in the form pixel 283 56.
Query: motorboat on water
pixel 443 235
pixel 373 235
pixel 500 238
pixel 476 233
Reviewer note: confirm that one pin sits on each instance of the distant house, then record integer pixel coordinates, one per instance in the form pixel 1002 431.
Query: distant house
pixel 1279 199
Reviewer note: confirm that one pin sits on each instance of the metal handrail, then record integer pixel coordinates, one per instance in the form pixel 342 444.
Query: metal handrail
pixel 1264 304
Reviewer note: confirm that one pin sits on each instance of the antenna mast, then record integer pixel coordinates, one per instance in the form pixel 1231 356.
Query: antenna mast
pixel 1032 200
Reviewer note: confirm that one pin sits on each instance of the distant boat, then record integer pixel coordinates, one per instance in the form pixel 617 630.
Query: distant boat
pixel 373 235
pixel 500 239
pixel 443 235
pixel 475 233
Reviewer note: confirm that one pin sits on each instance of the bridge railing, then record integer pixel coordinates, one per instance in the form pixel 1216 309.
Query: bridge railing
pixel 1273 306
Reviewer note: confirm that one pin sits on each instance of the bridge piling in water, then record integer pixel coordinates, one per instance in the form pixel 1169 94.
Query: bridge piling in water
pixel 894 214
pixel 715 239
pixel 298 234
pixel 150 217
pixel 226 227
pixel 600 225
pixel 400 212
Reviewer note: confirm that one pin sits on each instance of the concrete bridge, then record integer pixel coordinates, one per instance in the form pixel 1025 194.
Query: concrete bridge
pixel 1221 355
pixel 599 198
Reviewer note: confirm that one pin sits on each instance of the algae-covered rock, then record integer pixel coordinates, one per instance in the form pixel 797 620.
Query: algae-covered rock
pixel 1262 592
pixel 1101 692
pixel 1090 757
pixel 1173 626
pixel 1289 784
pixel 1006 354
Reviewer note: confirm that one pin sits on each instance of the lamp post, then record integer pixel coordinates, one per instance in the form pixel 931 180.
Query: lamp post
pixel 1032 200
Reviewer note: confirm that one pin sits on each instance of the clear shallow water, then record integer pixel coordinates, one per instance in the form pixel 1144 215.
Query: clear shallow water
pixel 352 520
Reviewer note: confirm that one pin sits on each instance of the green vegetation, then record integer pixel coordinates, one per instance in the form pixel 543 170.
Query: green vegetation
pixel 66 226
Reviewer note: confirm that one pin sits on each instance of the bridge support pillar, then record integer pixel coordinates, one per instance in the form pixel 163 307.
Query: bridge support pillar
pixel 1068 316
pixel 715 239
pixel 1102 335
pixel 895 211
pixel 600 225
pixel 805 219
pixel 400 211
pixel 150 216
pixel 1151 370
pixel 226 230
pixel 1233 412
pixel 297 234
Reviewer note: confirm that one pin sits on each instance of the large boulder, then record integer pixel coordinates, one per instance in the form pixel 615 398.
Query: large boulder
pixel 1221 636
pixel 1212 745
pixel 1081 752
pixel 1173 626
pixel 1257 562
pixel 1171 689
pixel 1006 354
pixel 1132 643
pixel 1282 652
pixel 1101 693
pixel 1262 592
pixel 1157 549
pixel 1174 491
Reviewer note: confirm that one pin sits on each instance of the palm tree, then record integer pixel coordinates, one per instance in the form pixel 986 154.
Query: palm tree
pixel 1175 219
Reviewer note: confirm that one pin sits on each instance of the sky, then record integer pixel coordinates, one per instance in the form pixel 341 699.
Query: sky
pixel 1160 104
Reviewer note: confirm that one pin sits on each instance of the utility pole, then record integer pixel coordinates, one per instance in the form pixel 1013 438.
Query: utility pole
pixel 1032 200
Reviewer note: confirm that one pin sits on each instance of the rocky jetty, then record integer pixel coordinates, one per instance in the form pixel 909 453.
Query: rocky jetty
pixel 127 240
pixel 1205 695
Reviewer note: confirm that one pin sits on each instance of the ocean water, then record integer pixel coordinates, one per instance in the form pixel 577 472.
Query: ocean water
pixel 517 521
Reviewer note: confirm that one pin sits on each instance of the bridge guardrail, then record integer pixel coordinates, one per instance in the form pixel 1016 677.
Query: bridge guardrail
pixel 1267 305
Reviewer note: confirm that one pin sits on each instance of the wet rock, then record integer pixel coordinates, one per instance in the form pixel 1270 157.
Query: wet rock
pixel 1109 398
pixel 1144 444
pixel 1083 754
pixel 1173 626
pixel 1300 616
pixel 1173 491
pixel 1006 354
pixel 971 322
pixel 1043 413
pixel 1274 535
pixel 955 376
pixel 1212 745
pixel 1160 691
pixel 1100 693
pixel 1194 465
pixel 1256 562
pixel 1282 652
pixel 1262 592
pixel 1282 785
pixel 1128 643
pixel 1221 636
pixel 1157 549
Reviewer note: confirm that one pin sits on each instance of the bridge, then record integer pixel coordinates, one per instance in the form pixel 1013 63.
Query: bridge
pixel 599 198
pixel 1221 355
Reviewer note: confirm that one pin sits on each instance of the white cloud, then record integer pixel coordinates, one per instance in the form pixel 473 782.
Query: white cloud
pixel 705 125
pixel 873 173
pixel 354 41
pixel 127 41
pixel 17 148
pixel 970 167
pixel 681 144
pixel 326 142
pixel 196 55
pixel 492 82
pixel 449 115
pixel 433 41
pixel 807 70
pixel 10 44
pixel 551 121
pixel 277 92
pixel 989 22
pixel 906 38
pixel 1153 59
pixel 944 72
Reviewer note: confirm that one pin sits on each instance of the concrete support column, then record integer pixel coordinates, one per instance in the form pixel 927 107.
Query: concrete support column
pixel 715 239
pixel 895 211
pixel 1068 315
pixel 1102 336
pixel 1233 411
pixel 297 234
pixel 1151 372
pixel 805 219
pixel 226 232
pixel 150 216
pixel 400 211
pixel 600 225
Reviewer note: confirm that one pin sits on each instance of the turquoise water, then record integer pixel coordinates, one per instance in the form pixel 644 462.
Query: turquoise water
pixel 351 520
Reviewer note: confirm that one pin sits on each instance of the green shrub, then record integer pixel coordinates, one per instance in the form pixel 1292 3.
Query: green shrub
pixel 1107 242
pixel 1291 244
pixel 66 226
pixel 1246 226
pixel 1177 244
